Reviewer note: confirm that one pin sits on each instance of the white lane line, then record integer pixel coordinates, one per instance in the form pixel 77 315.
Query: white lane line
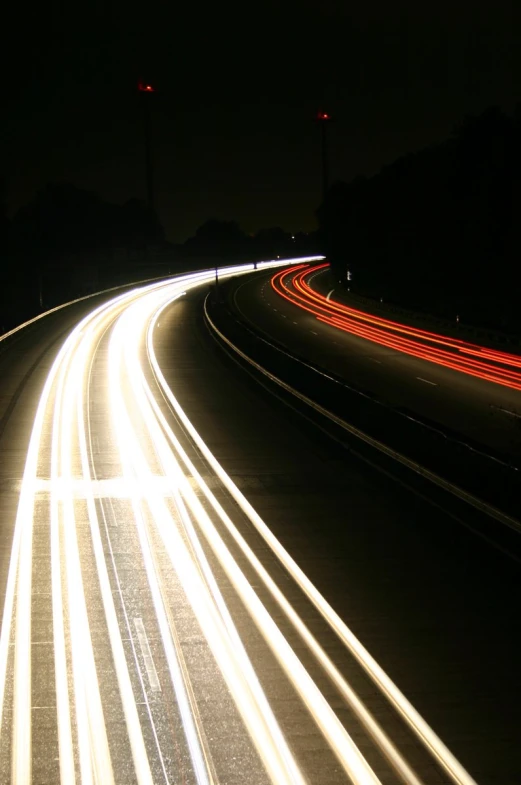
pixel 330 293
pixel 399 764
pixel 374 360
pixel 283 315
pixel 134 465
pixel 506 411
pixel 93 747
pixel 350 757
pixel 421 379
pixel 279 763
pixel 137 744
pixel 18 596
pixel 20 566
pixel 397 699
pixel 295 322
pixel 16 616
pixel 153 678
pixel 313 332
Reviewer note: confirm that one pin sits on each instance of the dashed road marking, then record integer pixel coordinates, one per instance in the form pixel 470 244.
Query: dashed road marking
pixel 506 411
pixel 421 379
pixel 330 293
pixel 147 656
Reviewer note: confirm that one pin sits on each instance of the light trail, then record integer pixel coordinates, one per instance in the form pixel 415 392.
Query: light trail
pixel 63 708
pixel 174 534
pixel 197 593
pixel 487 364
pixel 386 746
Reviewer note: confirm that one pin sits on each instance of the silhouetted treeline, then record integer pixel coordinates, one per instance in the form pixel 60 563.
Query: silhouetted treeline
pixel 438 230
pixel 63 220
pixel 225 239
pixel 68 242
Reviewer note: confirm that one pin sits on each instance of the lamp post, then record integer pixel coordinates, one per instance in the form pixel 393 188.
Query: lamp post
pixel 146 90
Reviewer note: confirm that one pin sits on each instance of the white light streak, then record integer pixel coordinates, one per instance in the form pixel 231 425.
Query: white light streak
pixel 158 478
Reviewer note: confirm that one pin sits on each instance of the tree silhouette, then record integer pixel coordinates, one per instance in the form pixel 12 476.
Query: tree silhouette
pixel 273 242
pixel 437 230
pixel 218 238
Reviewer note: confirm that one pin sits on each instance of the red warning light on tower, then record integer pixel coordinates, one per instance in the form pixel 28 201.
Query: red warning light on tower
pixel 144 87
pixel 323 116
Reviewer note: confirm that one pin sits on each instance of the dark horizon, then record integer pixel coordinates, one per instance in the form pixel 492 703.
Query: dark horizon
pixel 233 128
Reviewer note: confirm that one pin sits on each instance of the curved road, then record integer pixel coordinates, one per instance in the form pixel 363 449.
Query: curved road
pixel 157 513
pixel 482 412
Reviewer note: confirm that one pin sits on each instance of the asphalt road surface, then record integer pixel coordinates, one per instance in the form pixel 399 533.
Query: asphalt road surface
pixel 195 582
pixel 482 412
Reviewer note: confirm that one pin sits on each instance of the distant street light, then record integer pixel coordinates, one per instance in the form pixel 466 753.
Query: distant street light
pixel 324 119
pixel 146 90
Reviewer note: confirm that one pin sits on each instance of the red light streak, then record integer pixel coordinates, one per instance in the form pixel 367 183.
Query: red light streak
pixel 482 362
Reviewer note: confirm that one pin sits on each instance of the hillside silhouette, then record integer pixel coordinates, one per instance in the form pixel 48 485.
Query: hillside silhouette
pixel 439 230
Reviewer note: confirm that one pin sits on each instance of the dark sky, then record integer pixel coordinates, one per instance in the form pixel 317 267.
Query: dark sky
pixel 238 88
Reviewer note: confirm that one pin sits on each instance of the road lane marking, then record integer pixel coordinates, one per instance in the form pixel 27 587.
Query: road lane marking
pixel 153 678
pixel 185 487
pixel 124 366
pixel 139 465
pixel 17 611
pixel 506 411
pixel 374 360
pixel 295 322
pixel 330 293
pixel 237 577
pixel 421 379
pixel 18 594
pixel 313 332
pixel 137 744
pixel 21 562
pixel 278 761
pixel 432 743
pixel 93 747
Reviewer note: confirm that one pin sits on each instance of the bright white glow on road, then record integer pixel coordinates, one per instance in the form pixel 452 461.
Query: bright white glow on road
pixel 177 523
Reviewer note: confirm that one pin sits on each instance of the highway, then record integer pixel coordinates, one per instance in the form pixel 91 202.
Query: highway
pixel 492 365
pixel 182 597
pixel 485 413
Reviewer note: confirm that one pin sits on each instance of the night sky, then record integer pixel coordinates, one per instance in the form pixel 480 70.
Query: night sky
pixel 238 87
